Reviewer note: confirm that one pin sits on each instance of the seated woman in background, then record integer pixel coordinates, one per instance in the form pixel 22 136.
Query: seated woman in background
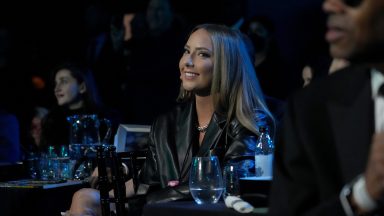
pixel 39 113
pixel 76 93
pixel 216 116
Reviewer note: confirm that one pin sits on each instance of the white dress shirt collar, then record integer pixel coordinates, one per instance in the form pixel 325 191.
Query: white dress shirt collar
pixel 377 79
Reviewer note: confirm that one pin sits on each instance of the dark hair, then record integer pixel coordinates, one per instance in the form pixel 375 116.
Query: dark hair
pixel 84 75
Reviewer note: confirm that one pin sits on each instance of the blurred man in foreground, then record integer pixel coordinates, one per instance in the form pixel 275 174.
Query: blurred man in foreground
pixel 330 156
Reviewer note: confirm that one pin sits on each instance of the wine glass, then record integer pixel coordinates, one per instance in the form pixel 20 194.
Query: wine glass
pixel 205 181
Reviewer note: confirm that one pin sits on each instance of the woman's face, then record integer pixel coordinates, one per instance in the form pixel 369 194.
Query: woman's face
pixel 67 90
pixel 36 129
pixel 196 64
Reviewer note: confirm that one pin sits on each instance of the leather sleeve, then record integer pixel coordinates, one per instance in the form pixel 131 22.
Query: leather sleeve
pixel 240 141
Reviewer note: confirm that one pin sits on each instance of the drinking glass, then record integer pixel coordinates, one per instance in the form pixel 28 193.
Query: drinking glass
pixel 205 181
pixel 83 139
pixel 231 180
pixel 33 165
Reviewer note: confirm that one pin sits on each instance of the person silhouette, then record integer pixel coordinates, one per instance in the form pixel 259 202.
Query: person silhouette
pixel 329 157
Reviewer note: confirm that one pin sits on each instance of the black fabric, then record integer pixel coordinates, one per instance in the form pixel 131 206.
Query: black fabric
pixel 190 208
pixel 381 90
pixel 324 144
pixel 173 133
pixel 180 192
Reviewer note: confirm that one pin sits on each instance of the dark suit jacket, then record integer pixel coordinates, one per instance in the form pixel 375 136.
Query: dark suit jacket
pixel 173 142
pixel 324 144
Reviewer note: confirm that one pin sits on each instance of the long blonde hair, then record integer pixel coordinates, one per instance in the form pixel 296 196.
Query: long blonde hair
pixel 235 88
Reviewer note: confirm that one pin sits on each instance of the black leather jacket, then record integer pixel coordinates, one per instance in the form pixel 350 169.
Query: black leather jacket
pixel 173 143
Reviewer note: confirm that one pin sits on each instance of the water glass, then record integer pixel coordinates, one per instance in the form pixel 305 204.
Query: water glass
pixel 33 165
pixel 231 180
pixel 205 181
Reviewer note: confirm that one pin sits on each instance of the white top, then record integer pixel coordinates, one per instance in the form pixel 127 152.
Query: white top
pixel 376 81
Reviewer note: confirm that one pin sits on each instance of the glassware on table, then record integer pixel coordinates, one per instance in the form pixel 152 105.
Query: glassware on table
pixel 83 139
pixel 32 161
pixel 85 130
pixel 64 166
pixel 231 180
pixel 55 164
pixel 205 181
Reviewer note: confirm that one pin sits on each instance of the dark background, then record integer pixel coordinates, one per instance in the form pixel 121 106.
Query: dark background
pixel 40 34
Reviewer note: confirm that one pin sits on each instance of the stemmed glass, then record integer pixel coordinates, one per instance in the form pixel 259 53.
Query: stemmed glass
pixel 205 181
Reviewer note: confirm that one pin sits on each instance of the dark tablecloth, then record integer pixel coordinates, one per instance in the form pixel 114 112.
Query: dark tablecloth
pixel 190 208
pixel 49 200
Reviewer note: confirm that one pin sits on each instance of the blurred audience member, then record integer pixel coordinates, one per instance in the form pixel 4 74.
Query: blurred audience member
pixel 307 75
pixel 321 69
pixel 9 138
pixel 134 61
pixel 316 67
pixel 76 93
pixel 266 58
pixel 260 37
pixel 154 47
pixel 36 124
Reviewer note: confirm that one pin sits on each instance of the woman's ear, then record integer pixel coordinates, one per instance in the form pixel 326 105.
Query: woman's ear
pixel 83 88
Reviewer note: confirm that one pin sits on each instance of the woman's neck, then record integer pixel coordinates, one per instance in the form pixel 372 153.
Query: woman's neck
pixel 77 105
pixel 204 109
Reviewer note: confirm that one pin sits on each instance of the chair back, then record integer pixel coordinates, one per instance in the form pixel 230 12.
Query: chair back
pixel 107 157
pixel 107 154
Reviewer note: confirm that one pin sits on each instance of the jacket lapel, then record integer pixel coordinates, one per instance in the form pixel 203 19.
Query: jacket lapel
pixel 352 123
pixel 186 131
pixel 184 135
pixel 213 134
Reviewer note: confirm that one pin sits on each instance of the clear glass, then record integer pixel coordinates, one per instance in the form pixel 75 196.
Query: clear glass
pixel 231 180
pixel 84 137
pixel 33 165
pixel 205 181
pixel 85 130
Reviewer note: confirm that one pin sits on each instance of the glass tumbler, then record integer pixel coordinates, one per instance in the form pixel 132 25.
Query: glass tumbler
pixel 205 181
pixel 231 180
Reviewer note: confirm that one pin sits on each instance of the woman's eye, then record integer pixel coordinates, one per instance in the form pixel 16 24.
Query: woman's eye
pixel 186 51
pixel 205 55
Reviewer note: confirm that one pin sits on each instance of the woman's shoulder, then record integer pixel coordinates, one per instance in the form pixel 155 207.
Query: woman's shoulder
pixel 237 130
pixel 171 120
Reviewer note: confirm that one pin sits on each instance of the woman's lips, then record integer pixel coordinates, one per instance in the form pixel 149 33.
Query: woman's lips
pixel 190 75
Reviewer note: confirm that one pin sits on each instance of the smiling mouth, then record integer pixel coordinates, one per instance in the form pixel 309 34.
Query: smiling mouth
pixel 190 74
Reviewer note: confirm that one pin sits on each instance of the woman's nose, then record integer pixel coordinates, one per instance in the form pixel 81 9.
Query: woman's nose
pixel 56 88
pixel 188 62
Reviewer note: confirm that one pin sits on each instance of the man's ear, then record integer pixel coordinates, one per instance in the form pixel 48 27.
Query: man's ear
pixel 83 88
